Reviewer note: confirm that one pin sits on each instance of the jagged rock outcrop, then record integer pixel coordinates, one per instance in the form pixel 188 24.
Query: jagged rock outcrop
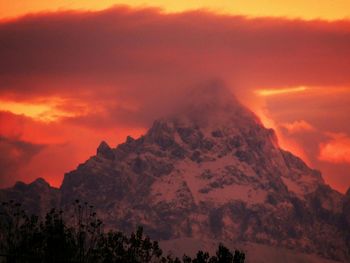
pixel 38 196
pixel 212 171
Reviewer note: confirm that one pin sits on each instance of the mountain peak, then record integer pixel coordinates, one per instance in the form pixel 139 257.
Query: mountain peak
pixel 213 104
pixel 40 181
pixel 211 170
pixel 105 151
pixel 348 192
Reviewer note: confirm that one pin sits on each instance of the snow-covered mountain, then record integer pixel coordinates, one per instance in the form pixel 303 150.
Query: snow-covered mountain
pixel 210 171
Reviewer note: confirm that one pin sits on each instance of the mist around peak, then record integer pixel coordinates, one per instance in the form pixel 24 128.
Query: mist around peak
pixel 210 103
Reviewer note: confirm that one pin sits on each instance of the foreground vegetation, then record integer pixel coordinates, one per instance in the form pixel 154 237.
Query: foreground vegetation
pixel 29 239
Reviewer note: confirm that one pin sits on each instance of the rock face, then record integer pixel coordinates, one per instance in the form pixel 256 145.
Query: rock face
pixel 211 171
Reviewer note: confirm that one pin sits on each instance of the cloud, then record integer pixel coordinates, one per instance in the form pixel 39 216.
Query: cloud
pixel 13 154
pixel 144 58
pixel 123 53
pixel 337 149
pixel 298 126
pixel 326 110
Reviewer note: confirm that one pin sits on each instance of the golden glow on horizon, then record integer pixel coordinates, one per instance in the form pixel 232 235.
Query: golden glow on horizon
pixel 271 92
pixel 304 9
pixel 42 111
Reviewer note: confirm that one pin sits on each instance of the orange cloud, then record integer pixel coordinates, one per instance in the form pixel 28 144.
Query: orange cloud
pixel 298 126
pixel 311 9
pixel 337 150
pixel 326 110
pixel 279 91
pixel 43 109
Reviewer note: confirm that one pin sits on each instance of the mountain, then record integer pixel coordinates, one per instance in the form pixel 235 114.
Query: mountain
pixel 37 196
pixel 208 171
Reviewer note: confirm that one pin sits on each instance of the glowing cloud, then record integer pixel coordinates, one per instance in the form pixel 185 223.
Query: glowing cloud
pixel 298 126
pixel 311 9
pixel 271 92
pixel 337 150
pixel 45 111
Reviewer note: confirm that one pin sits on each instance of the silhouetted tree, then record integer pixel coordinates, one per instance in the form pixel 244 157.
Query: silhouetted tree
pixel 27 239
pixel 223 255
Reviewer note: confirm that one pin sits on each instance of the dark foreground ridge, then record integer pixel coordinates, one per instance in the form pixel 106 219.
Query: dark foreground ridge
pixel 28 239
pixel 210 171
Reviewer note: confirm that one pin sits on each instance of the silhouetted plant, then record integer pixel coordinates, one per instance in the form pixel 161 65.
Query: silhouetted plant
pixel 87 231
pixel 223 255
pixel 27 239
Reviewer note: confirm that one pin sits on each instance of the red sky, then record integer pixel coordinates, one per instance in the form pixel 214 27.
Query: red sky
pixel 69 79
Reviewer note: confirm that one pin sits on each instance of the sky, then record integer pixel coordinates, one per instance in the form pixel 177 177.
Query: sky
pixel 74 73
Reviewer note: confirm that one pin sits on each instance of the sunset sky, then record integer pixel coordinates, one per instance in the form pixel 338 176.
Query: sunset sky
pixel 74 73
